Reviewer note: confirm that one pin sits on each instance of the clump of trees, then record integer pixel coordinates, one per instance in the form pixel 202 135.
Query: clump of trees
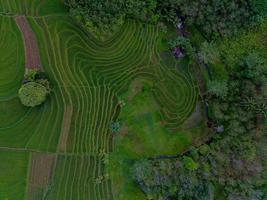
pixel 34 89
pixel 217 17
pixel 214 18
pixel 101 16
pixel 230 162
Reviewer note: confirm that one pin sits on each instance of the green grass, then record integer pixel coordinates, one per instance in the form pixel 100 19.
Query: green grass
pixel 30 128
pixel 147 135
pixel 13 175
pixel 11 58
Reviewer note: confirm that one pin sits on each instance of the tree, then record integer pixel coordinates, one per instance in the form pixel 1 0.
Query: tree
pixel 32 94
pixel 217 17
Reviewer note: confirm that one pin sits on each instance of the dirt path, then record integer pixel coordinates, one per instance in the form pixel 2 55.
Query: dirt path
pixel 65 127
pixel 32 55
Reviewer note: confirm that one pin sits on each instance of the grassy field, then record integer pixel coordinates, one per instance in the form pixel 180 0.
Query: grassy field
pixel 12 59
pixel 13 175
pixel 90 80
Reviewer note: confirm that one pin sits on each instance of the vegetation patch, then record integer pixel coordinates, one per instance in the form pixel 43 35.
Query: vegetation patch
pixel 13 174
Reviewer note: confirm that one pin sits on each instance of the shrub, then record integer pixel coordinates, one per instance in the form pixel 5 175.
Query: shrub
pixel 189 163
pixel 115 127
pixel 32 94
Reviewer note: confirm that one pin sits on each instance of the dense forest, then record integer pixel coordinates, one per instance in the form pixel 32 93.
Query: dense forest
pixel 231 163
pixel 215 18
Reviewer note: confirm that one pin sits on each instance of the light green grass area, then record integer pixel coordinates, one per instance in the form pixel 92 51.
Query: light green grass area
pixel 13 175
pixel 146 134
pixel 32 7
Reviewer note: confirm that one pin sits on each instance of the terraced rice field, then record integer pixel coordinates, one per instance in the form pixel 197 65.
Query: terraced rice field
pixel 88 78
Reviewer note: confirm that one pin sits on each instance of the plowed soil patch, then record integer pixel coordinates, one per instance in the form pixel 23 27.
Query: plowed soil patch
pixel 32 55
pixel 41 169
pixel 65 127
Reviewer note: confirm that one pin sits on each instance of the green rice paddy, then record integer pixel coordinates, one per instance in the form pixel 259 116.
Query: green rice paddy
pixel 90 78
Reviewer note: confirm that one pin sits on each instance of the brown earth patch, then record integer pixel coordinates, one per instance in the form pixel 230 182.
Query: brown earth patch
pixel 41 169
pixel 124 130
pixel 32 55
pixel 65 129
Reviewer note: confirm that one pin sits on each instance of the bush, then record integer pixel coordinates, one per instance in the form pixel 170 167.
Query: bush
pixel 35 88
pixel 32 94
pixel 189 163
pixel 115 127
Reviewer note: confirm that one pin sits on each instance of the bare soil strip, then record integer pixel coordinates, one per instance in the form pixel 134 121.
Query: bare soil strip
pixel 65 127
pixel 41 169
pixel 41 172
pixel 32 54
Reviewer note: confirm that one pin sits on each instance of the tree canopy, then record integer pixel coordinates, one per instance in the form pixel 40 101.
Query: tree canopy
pixel 214 18
pixel 32 94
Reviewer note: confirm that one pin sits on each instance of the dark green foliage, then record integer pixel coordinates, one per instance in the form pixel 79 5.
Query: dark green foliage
pixel 217 17
pixel 260 8
pixel 162 179
pixel 115 127
pixel 102 17
pixel 167 10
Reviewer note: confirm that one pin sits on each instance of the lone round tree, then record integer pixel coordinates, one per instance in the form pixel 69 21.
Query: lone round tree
pixel 32 94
